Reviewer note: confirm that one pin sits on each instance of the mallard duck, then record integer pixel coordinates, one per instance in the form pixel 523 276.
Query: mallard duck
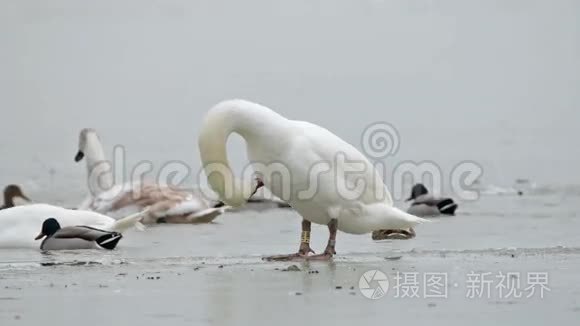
pixel 426 205
pixel 19 225
pixel 75 237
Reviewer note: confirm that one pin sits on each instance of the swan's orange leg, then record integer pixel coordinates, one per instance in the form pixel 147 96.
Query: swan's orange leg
pixel 330 247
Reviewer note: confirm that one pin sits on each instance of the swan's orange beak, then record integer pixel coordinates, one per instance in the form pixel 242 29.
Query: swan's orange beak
pixel 39 236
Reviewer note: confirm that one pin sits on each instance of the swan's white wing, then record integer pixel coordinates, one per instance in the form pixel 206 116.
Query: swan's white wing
pixel 175 205
pixel 191 206
pixel 105 202
pixel 328 147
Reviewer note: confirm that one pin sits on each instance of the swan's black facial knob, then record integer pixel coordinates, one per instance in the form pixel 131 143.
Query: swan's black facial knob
pixel 80 155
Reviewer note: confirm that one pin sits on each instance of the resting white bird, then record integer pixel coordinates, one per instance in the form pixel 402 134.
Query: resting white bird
pixel 316 168
pixel 165 204
pixel 19 225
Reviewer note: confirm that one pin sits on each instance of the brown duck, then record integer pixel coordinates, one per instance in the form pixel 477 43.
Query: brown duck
pixel 10 193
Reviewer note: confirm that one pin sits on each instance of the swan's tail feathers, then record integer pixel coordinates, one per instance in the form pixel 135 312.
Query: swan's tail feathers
pixel 406 219
pixel 131 221
pixel 420 220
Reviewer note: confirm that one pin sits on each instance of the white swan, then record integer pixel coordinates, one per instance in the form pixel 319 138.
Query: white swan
pixel 350 202
pixel 19 225
pixel 166 204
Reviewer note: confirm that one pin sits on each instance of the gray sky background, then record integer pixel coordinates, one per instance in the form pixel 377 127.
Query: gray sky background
pixel 497 82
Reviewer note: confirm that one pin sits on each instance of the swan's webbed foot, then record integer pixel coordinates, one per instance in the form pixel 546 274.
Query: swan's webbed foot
pixel 290 257
pixel 302 253
pixel 328 253
pixel 321 257
pixel 304 249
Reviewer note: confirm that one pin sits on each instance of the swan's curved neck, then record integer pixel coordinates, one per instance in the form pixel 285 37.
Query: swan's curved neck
pixel 99 173
pixel 252 122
